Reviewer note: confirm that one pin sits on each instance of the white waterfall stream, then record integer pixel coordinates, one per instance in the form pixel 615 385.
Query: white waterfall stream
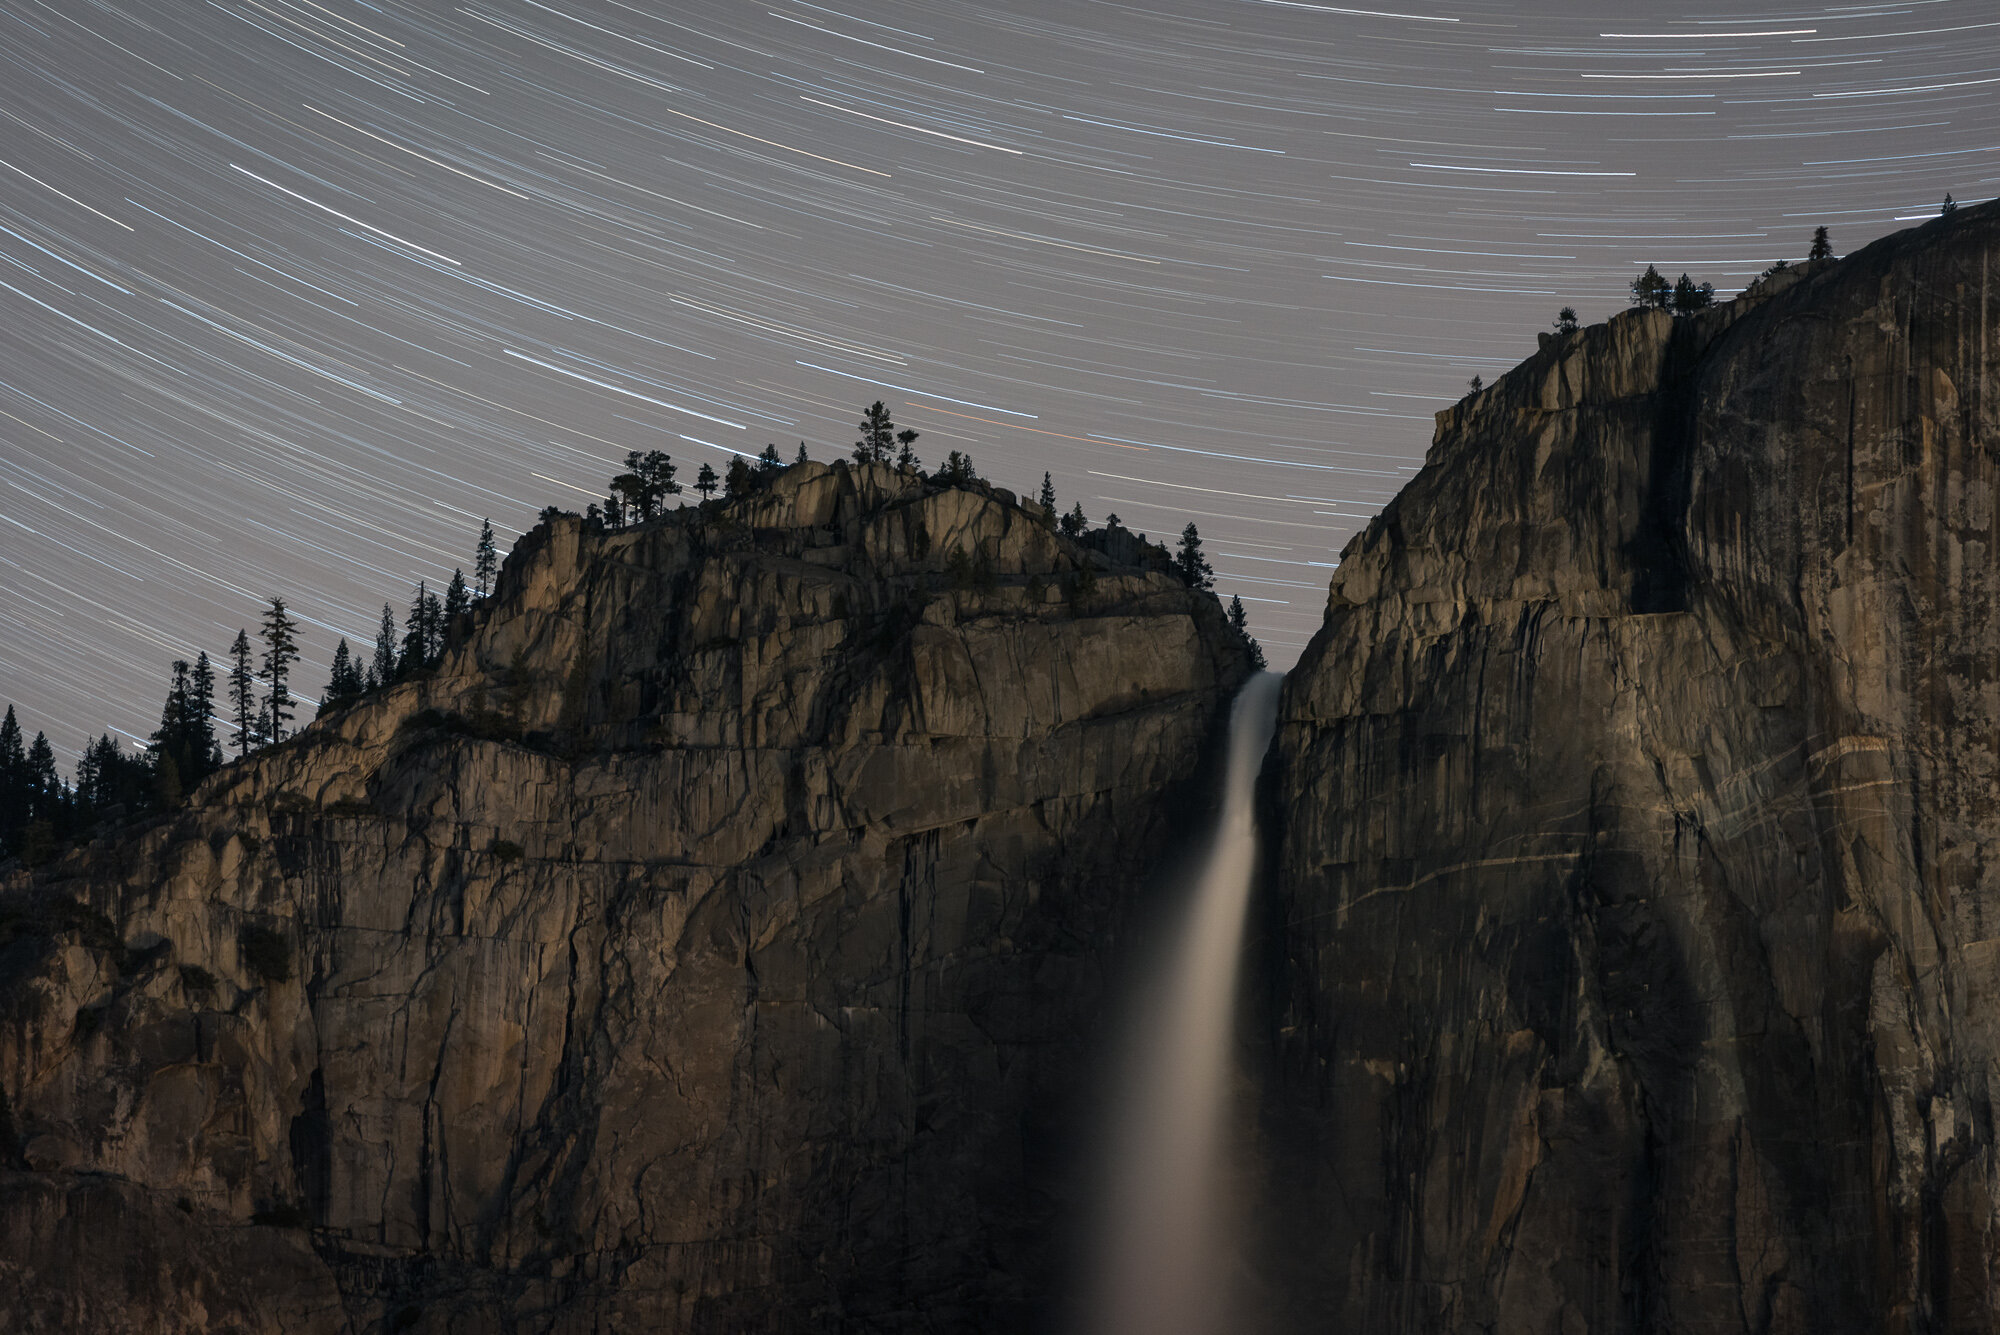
pixel 1165 1261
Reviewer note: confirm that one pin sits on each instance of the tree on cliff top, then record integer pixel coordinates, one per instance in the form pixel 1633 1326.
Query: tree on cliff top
pixel 485 561
pixel 281 650
pixel 1239 621
pixel 878 435
pixel 1690 297
pixel 1652 290
pixel 383 670
pixel 1822 246
pixel 645 484
pixel 243 691
pixel 343 681
pixel 1189 562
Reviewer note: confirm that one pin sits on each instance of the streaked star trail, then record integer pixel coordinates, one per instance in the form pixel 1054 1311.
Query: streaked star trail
pixel 294 292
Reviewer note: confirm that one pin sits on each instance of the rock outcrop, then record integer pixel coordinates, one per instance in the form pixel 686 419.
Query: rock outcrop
pixel 1637 912
pixel 710 944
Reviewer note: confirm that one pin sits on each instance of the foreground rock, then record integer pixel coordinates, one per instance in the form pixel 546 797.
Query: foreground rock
pixel 1640 866
pixel 711 944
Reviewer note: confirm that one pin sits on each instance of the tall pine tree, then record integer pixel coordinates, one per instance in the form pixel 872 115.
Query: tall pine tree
pixel 202 745
pixel 243 693
pixel 878 435
pixel 343 679
pixel 485 562
pixel 13 781
pixel 281 650
pixel 1190 562
pixel 415 641
pixel 457 601
pixel 383 670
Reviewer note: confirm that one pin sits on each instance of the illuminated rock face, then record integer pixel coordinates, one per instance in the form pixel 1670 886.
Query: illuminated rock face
pixel 1638 891
pixel 715 942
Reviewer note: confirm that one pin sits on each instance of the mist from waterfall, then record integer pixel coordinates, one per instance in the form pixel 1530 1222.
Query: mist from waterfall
pixel 1164 1268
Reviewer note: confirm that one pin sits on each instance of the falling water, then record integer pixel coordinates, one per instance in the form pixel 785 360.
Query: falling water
pixel 1166 1256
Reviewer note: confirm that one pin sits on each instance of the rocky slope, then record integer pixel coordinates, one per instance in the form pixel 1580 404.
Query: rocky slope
pixel 1637 925
pixel 711 944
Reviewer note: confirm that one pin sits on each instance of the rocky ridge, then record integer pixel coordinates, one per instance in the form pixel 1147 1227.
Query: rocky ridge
pixel 1636 925
pixel 712 943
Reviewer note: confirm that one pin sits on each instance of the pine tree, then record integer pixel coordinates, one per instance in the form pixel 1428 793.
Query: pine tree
pixel 1074 525
pixel 956 470
pixel 1950 205
pixel 1690 297
pixel 737 481
pixel 433 630
pixel 1652 290
pixel 170 740
pixel 13 781
pixel 1566 320
pixel 801 455
pixel 281 650
pixel 203 748
pixel 242 693
pixel 1239 621
pixel 383 669
pixel 645 484
pixel 1475 384
pixel 907 457
pixel 411 660
pixel 457 602
pixel 768 463
pixel 1189 561
pixel 878 435
pixel 706 481
pixel 339 688
pixel 628 493
pixel 1047 499
pixel 1822 245
pixel 46 794
pixel 485 562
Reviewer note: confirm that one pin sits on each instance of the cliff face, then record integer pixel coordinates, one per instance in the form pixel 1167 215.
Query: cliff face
pixel 1638 891
pixel 710 944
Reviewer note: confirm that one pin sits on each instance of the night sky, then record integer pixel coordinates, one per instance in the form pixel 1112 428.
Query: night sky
pixel 293 293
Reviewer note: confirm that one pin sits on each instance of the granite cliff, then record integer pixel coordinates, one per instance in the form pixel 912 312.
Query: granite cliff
pixel 1635 935
pixel 712 943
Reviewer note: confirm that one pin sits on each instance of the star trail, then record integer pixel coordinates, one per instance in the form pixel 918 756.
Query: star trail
pixel 293 293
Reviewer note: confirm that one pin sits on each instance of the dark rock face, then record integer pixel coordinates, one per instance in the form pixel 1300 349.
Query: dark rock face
pixel 1639 876
pixel 710 945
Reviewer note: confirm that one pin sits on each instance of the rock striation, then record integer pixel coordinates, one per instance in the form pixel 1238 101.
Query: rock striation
pixel 712 943
pixel 1636 925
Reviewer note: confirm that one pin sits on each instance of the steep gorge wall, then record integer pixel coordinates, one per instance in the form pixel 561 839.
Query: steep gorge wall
pixel 711 944
pixel 1637 902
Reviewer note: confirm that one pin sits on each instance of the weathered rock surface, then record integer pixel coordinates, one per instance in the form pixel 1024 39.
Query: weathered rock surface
pixel 710 944
pixel 1638 893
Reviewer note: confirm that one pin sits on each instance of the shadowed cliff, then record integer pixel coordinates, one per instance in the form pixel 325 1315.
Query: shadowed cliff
pixel 1638 917
pixel 712 943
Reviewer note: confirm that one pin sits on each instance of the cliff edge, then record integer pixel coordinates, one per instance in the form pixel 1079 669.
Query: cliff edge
pixel 712 943
pixel 1637 905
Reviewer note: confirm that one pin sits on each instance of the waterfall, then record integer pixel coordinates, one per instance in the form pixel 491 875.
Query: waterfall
pixel 1165 1257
